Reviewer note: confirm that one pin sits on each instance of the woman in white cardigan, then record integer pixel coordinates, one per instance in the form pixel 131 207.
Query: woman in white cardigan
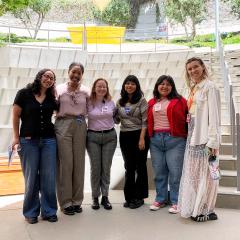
pixel 198 191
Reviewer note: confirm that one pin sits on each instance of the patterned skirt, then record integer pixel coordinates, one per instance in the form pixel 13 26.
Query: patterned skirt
pixel 198 191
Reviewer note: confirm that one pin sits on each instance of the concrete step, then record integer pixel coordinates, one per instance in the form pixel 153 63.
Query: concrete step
pixel 227 162
pixel 228 178
pixel 225 129
pixel 226 138
pixel 228 197
pixel 225 149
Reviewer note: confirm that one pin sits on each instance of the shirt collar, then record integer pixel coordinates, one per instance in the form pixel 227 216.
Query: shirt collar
pixel 201 84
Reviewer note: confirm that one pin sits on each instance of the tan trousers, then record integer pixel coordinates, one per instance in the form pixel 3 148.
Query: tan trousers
pixel 71 143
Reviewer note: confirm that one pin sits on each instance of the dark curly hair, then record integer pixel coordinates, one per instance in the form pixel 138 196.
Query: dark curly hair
pixel 137 95
pixel 35 86
pixel 172 94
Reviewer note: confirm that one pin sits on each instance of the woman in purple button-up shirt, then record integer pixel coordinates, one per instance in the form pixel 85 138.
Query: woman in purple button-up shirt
pixel 101 141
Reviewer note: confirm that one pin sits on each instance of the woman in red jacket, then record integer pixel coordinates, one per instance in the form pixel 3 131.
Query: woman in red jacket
pixel 167 128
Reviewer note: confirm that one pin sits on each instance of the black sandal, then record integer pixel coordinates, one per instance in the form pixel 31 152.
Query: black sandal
pixel 200 218
pixel 212 216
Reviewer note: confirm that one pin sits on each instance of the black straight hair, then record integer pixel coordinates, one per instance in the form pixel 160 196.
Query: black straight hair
pixel 73 64
pixel 172 94
pixel 137 95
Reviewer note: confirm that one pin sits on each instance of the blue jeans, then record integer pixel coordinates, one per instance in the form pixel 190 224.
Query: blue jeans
pixel 38 160
pixel 167 154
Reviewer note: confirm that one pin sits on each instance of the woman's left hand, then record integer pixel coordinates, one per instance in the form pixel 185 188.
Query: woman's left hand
pixel 213 151
pixel 141 144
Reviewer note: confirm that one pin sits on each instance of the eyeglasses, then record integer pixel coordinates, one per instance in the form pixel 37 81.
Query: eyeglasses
pixel 49 77
pixel 101 87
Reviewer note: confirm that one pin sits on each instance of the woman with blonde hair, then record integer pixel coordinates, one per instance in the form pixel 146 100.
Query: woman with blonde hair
pixel 101 141
pixel 198 190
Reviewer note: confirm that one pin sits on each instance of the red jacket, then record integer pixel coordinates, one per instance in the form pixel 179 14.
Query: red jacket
pixel 176 112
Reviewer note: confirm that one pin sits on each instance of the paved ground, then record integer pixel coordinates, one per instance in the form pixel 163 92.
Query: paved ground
pixel 118 224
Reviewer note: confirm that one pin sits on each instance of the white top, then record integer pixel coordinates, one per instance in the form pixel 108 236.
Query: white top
pixel 207 116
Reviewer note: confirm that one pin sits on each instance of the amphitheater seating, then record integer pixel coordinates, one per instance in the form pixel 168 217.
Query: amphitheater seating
pixel 22 63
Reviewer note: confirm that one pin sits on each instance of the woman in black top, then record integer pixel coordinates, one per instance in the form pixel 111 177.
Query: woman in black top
pixel 34 105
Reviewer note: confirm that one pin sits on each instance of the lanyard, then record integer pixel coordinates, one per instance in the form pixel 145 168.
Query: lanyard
pixel 191 97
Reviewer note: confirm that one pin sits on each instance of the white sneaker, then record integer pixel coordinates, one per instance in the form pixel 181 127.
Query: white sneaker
pixel 156 206
pixel 173 209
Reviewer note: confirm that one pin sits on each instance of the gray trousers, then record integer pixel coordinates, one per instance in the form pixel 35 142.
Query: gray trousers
pixel 71 144
pixel 101 147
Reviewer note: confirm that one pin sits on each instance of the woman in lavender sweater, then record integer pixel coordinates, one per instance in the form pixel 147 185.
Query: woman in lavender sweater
pixel 101 141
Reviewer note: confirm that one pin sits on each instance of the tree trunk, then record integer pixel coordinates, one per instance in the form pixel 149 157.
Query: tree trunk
pixel 193 34
pixel 38 24
pixel 186 31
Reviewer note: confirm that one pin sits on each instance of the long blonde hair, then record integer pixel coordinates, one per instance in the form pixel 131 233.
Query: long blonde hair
pixel 205 71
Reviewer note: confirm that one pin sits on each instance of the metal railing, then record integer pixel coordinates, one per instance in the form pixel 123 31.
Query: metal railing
pixel 131 42
pixel 233 112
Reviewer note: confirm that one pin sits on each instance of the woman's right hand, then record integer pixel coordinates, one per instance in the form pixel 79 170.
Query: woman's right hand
pixel 15 142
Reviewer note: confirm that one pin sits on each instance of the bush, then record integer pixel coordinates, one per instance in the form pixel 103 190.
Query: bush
pixel 117 13
pixel 5 37
pixel 205 38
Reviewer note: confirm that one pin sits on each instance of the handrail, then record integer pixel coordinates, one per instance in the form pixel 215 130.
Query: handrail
pixel 122 46
pixel 233 112
pixel 237 136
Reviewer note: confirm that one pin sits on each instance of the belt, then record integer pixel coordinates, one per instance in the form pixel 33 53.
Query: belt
pixel 162 131
pixel 72 117
pixel 103 131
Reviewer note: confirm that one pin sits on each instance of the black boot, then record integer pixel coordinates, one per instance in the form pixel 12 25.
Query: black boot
pixel 95 204
pixel 106 204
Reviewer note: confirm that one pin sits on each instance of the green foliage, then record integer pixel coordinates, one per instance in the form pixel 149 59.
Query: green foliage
pixel 10 5
pixel 117 13
pixel 33 15
pixel 13 38
pixel 185 11
pixel 40 6
pixel 207 40
pixel 235 6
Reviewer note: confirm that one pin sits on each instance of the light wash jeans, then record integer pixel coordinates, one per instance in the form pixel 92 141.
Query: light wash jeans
pixel 167 154
pixel 38 160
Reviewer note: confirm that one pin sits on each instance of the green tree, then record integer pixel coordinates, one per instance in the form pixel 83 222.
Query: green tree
pixel 187 13
pixel 235 6
pixel 116 13
pixel 32 16
pixel 9 5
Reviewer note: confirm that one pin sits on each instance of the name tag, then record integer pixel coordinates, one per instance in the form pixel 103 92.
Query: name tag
pixel 104 109
pixel 127 110
pixel 188 118
pixel 80 119
pixel 157 107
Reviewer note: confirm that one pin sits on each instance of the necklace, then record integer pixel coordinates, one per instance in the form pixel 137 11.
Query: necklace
pixel 71 88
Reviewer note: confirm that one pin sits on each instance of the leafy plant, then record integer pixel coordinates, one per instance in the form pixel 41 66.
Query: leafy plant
pixel 116 13
pixel 9 5
pixel 188 13
pixel 32 16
